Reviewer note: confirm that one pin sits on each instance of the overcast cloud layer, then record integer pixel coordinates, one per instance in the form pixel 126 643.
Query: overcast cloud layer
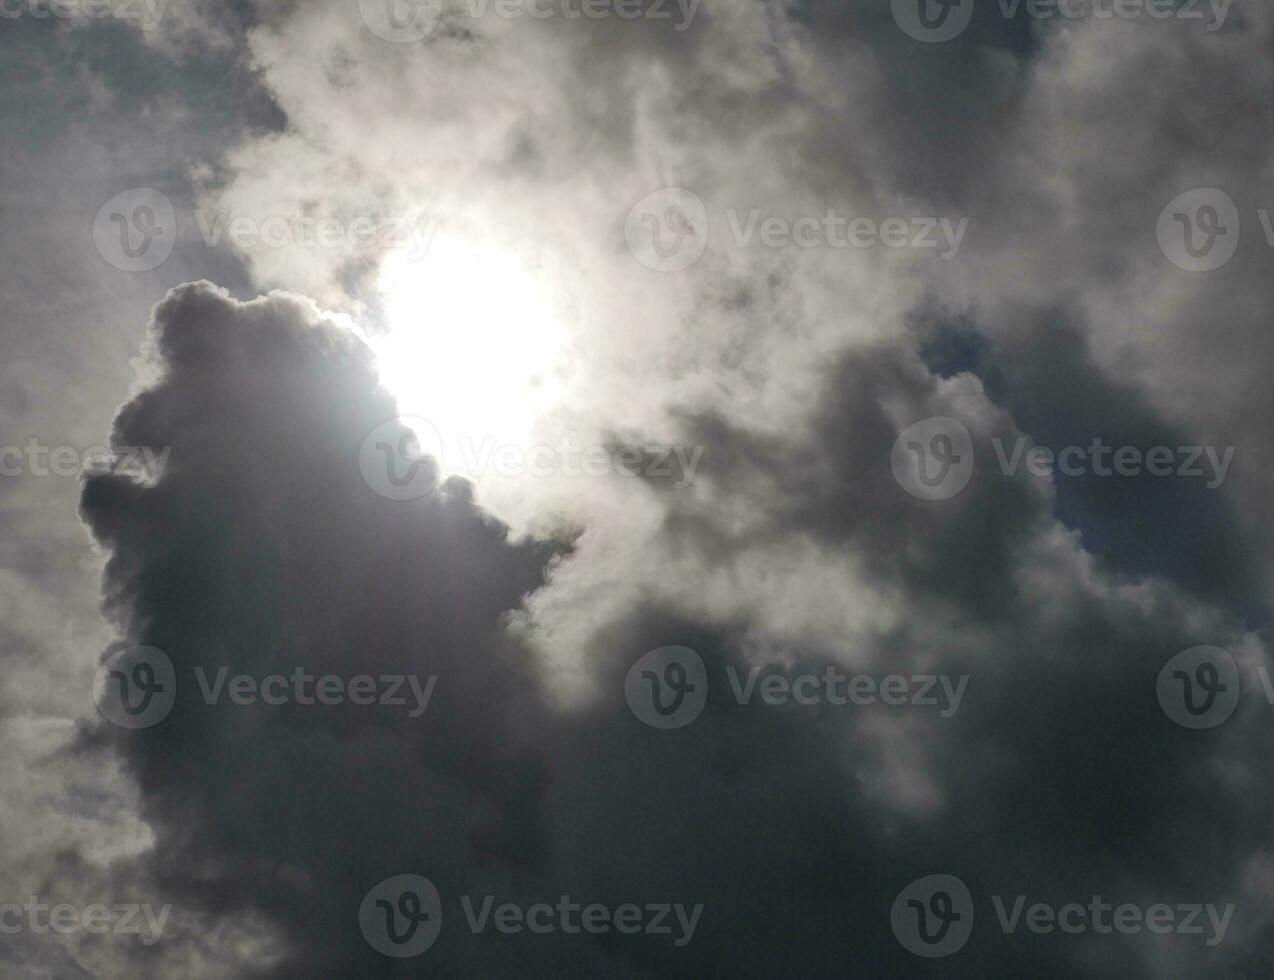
pixel 685 312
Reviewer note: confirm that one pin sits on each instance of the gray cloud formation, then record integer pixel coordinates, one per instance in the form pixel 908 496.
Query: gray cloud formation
pixel 261 549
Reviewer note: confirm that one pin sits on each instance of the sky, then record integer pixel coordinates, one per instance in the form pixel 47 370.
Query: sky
pixel 636 488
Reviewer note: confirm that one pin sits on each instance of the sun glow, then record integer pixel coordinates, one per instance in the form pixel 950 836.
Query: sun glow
pixel 473 342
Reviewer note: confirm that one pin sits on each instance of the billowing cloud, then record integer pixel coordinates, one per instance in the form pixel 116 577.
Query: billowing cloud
pixel 264 548
pixel 797 250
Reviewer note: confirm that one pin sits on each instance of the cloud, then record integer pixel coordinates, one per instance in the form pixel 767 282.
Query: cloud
pixel 262 549
pixel 525 143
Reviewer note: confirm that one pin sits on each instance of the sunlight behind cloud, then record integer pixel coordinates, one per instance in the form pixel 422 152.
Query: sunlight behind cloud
pixel 473 344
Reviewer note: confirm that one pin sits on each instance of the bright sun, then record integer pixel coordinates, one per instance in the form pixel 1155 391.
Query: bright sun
pixel 473 341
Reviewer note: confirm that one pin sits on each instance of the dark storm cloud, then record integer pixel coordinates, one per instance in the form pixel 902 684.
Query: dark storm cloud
pixel 261 549
pixel 266 551
pixel 31 958
pixel 1186 530
pixel 1062 774
pixel 831 485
